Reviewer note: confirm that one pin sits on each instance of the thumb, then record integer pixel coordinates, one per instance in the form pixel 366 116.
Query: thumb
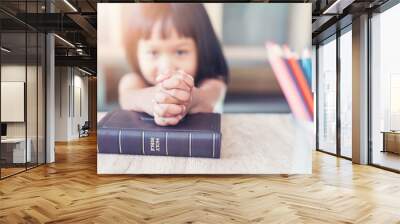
pixel 163 76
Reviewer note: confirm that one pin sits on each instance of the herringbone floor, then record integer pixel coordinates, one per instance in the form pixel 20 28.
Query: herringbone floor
pixel 70 191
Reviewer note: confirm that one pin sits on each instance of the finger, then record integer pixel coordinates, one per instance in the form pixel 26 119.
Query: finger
pixel 164 98
pixel 165 121
pixel 168 110
pixel 181 95
pixel 188 79
pixel 176 82
pixel 163 76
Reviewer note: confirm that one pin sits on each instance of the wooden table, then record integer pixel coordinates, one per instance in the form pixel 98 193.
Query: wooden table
pixel 391 141
pixel 14 148
pixel 251 144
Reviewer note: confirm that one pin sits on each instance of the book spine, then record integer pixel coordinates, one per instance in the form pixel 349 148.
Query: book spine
pixel 302 85
pixel 307 69
pixel 286 82
pixel 159 143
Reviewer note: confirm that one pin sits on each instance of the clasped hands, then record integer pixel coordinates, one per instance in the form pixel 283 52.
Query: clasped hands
pixel 173 97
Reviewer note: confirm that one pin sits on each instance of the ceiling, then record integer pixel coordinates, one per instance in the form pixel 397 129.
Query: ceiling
pixel 76 22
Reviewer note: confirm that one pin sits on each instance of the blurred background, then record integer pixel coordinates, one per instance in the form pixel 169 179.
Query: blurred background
pixel 242 28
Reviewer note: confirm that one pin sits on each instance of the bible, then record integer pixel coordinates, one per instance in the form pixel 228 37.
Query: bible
pixel 135 133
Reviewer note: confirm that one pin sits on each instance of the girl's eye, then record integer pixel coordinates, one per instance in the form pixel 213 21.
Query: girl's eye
pixel 153 53
pixel 181 52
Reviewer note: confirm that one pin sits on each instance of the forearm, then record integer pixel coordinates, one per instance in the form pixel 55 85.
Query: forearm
pixel 207 96
pixel 138 99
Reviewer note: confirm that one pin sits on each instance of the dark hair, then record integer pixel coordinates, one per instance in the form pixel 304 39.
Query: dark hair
pixel 189 20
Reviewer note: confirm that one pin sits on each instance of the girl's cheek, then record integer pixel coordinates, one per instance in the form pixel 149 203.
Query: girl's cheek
pixel 149 72
pixel 152 77
pixel 148 76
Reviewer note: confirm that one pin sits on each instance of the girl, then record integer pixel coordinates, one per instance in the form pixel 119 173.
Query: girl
pixel 177 62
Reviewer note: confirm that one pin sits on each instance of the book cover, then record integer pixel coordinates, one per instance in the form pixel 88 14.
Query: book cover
pixel 129 132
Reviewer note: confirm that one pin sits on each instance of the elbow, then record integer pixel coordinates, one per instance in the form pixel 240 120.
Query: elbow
pixel 204 107
pixel 124 102
pixel 208 108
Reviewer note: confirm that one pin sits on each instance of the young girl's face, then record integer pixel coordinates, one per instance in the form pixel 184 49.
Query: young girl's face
pixel 157 55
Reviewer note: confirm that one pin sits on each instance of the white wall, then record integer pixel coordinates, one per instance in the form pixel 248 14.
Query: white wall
pixel 68 83
pixel 14 73
pixel 17 73
pixel 80 84
pixel 61 103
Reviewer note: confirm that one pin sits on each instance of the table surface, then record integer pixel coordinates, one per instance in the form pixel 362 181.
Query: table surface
pixel 13 140
pixel 251 144
pixel 390 132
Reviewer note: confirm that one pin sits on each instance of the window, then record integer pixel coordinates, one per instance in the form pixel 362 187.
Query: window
pixel 385 89
pixel 327 96
pixel 22 76
pixel 346 93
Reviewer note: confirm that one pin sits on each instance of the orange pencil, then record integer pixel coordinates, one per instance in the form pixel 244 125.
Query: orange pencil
pixel 300 80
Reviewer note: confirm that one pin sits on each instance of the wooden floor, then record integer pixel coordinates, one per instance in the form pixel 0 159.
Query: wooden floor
pixel 10 171
pixel 70 191
pixel 387 159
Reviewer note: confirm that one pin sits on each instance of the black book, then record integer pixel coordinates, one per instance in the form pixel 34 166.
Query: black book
pixel 128 132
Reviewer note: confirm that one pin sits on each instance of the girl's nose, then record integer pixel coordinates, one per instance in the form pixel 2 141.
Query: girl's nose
pixel 166 64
